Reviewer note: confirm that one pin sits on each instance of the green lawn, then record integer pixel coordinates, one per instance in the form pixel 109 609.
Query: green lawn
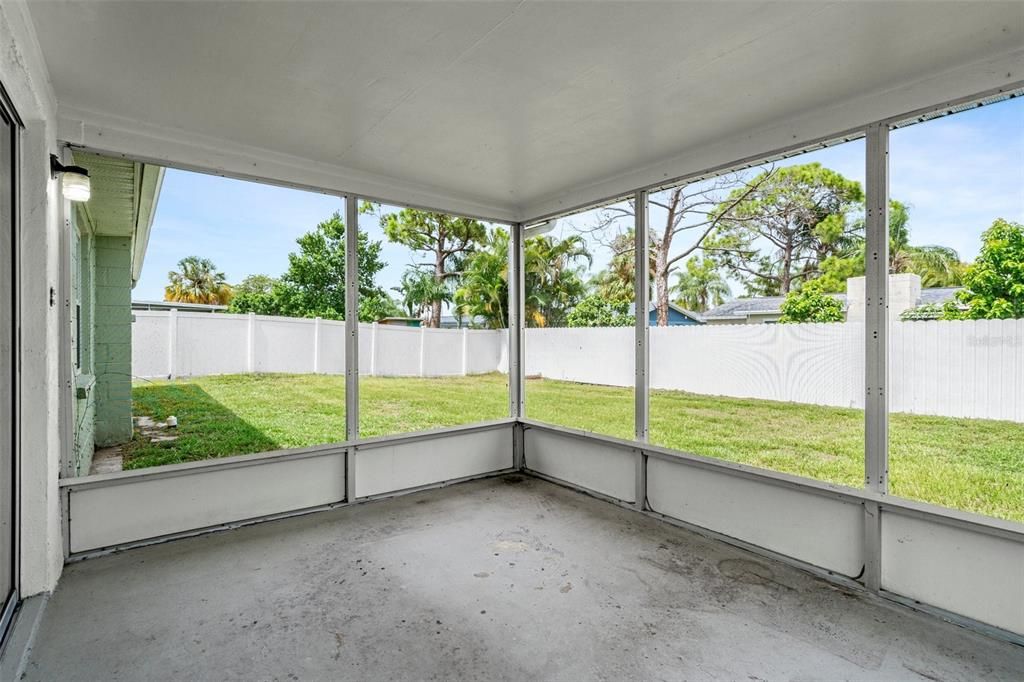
pixel 969 464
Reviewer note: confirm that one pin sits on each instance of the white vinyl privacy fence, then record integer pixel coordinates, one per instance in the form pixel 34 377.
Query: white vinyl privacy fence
pixel 185 344
pixel 957 369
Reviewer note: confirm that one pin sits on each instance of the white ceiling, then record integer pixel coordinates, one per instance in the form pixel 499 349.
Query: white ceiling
pixel 509 109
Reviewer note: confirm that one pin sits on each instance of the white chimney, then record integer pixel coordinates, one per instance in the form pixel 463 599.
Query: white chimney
pixel 904 293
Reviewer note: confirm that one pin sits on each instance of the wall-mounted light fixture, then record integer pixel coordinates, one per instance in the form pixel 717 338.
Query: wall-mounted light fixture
pixel 74 181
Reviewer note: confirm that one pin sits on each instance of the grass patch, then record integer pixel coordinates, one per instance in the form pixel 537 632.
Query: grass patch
pixel 970 464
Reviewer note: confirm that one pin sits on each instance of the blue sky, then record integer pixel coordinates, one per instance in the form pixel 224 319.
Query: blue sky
pixel 957 173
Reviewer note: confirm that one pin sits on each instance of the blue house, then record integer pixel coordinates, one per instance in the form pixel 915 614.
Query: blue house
pixel 677 317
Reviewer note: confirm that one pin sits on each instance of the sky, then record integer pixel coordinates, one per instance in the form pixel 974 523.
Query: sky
pixel 957 174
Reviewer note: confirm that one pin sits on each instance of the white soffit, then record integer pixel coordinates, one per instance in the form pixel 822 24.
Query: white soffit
pixel 123 201
pixel 508 110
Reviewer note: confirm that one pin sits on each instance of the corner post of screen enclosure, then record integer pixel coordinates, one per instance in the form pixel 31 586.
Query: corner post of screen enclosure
pixel 351 341
pixel 642 354
pixel 876 328
pixel 516 338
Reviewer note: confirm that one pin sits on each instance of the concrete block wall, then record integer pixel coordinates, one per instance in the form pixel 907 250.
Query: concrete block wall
pixel 112 346
pixel 83 287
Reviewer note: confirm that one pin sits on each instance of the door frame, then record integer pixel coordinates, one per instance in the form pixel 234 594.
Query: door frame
pixel 8 112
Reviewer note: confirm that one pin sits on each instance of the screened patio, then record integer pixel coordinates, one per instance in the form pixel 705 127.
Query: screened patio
pixel 519 547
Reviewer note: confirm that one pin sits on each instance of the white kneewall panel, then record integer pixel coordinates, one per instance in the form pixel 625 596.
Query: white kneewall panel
pixel 974 574
pixel 150 507
pixel 599 466
pixel 819 530
pixel 385 468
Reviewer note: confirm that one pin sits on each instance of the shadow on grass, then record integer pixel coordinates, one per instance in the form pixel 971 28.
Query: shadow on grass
pixel 206 429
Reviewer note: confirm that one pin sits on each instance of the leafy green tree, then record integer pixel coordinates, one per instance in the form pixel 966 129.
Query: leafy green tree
pixel 700 286
pixel 377 307
pixel 938 266
pixel 595 311
pixel 811 304
pixel 255 294
pixel 994 282
pixel 483 290
pixel 197 280
pixel 447 239
pixel 314 283
pixel 778 235
pixel 836 269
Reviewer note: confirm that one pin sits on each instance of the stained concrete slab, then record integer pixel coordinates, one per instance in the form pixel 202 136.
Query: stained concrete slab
pixel 510 578
pixel 107 461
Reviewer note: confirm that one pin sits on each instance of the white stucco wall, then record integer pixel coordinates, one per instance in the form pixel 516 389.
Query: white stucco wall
pixel 23 73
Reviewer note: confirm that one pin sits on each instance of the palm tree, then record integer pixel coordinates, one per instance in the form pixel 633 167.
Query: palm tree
pixel 615 283
pixel 938 266
pixel 197 281
pixel 484 289
pixel 554 282
pixel 420 290
pixel 700 286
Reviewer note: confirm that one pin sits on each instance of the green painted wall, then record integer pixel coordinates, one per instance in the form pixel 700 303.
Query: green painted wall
pixel 112 341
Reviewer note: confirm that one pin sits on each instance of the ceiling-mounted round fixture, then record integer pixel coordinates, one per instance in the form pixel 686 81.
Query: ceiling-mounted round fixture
pixel 74 180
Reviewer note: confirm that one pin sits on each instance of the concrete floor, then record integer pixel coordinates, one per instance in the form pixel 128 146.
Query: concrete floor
pixel 511 578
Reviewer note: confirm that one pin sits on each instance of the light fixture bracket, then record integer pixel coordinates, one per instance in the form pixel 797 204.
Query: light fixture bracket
pixel 56 168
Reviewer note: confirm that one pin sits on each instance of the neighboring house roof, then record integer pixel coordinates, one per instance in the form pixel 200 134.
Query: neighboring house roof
pixel 175 305
pixel 651 307
pixel 937 295
pixel 452 322
pixel 399 321
pixel 935 299
pixel 742 308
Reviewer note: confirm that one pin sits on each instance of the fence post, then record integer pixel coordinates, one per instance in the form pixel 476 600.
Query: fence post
pixel 423 351
pixel 373 349
pixel 316 345
pixel 172 341
pixel 465 351
pixel 250 348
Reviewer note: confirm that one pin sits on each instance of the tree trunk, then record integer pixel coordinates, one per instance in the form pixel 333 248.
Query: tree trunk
pixel 785 277
pixel 661 286
pixel 435 306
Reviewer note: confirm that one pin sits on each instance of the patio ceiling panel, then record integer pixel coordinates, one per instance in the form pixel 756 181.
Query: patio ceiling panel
pixel 510 109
